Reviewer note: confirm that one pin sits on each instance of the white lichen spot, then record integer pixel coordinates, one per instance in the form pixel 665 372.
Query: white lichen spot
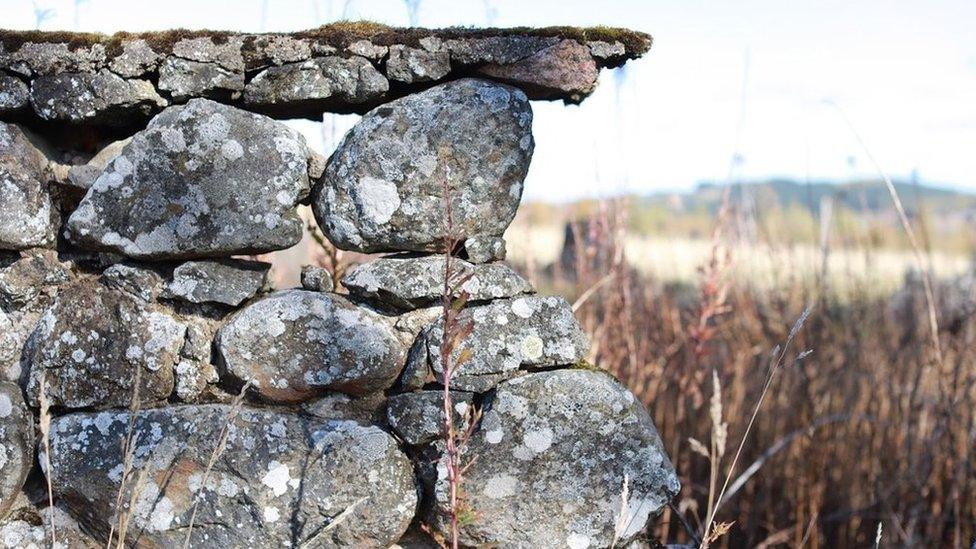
pixel 532 347
pixel 379 198
pixel 6 406
pixel 231 150
pixel 277 478
pixel 577 541
pixel 494 436
pixel 538 441
pixel 271 514
pixel 522 308
pixel 500 486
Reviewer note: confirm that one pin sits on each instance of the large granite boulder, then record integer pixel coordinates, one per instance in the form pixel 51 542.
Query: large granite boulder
pixel 407 283
pixel 526 333
pixel 294 345
pixel 310 87
pixel 94 341
pixel 16 444
pixel 553 451
pixel 102 97
pixel 282 480
pixel 29 216
pixel 383 189
pixel 202 180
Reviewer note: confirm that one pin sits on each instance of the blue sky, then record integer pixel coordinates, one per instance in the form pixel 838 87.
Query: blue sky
pixel 904 72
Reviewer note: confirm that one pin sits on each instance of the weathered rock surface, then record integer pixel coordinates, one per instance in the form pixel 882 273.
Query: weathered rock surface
pixel 14 94
pixel 30 218
pixel 365 409
pixel 409 65
pixel 137 59
pixel 527 332
pixel 142 282
pixel 294 345
pixel 29 527
pixel 228 281
pixel 566 69
pixel 203 179
pixel 94 341
pixel 553 451
pixel 342 67
pixel 16 444
pixel 44 57
pixel 82 176
pixel 316 279
pixel 485 249
pixel 313 86
pixel 93 98
pixel 407 283
pixel 281 480
pixel 418 417
pixel 185 79
pixel 383 189
pixel 37 272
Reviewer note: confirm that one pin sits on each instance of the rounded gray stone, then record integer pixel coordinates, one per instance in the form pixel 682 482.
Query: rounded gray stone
pixel 553 452
pixel 202 180
pixel 383 189
pixel 294 345
pixel 16 444
pixel 282 479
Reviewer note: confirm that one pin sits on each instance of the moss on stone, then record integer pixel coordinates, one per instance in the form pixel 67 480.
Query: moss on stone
pixel 339 34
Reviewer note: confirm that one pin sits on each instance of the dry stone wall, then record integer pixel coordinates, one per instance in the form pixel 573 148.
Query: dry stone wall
pixel 128 313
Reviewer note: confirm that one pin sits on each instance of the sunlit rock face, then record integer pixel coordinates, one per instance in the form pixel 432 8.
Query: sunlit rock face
pixel 279 481
pixel 555 450
pixel 407 283
pixel 295 345
pixel 508 337
pixel 384 187
pixel 202 180
pixel 94 342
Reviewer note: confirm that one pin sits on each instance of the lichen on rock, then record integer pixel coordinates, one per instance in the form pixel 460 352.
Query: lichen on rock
pixel 384 187
pixel 203 180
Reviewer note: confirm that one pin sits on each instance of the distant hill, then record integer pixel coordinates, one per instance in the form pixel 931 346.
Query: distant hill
pixel 786 211
pixel 867 197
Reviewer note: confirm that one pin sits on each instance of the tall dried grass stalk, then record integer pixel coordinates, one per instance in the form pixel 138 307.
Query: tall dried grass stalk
pixel 45 428
pixel 234 411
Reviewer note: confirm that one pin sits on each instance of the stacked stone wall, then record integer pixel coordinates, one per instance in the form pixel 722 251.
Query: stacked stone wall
pixel 180 387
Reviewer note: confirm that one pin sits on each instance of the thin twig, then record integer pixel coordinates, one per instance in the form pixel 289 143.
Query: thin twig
pixel 909 232
pixel 755 411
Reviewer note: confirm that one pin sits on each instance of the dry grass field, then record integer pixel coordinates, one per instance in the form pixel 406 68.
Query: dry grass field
pixel 864 424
